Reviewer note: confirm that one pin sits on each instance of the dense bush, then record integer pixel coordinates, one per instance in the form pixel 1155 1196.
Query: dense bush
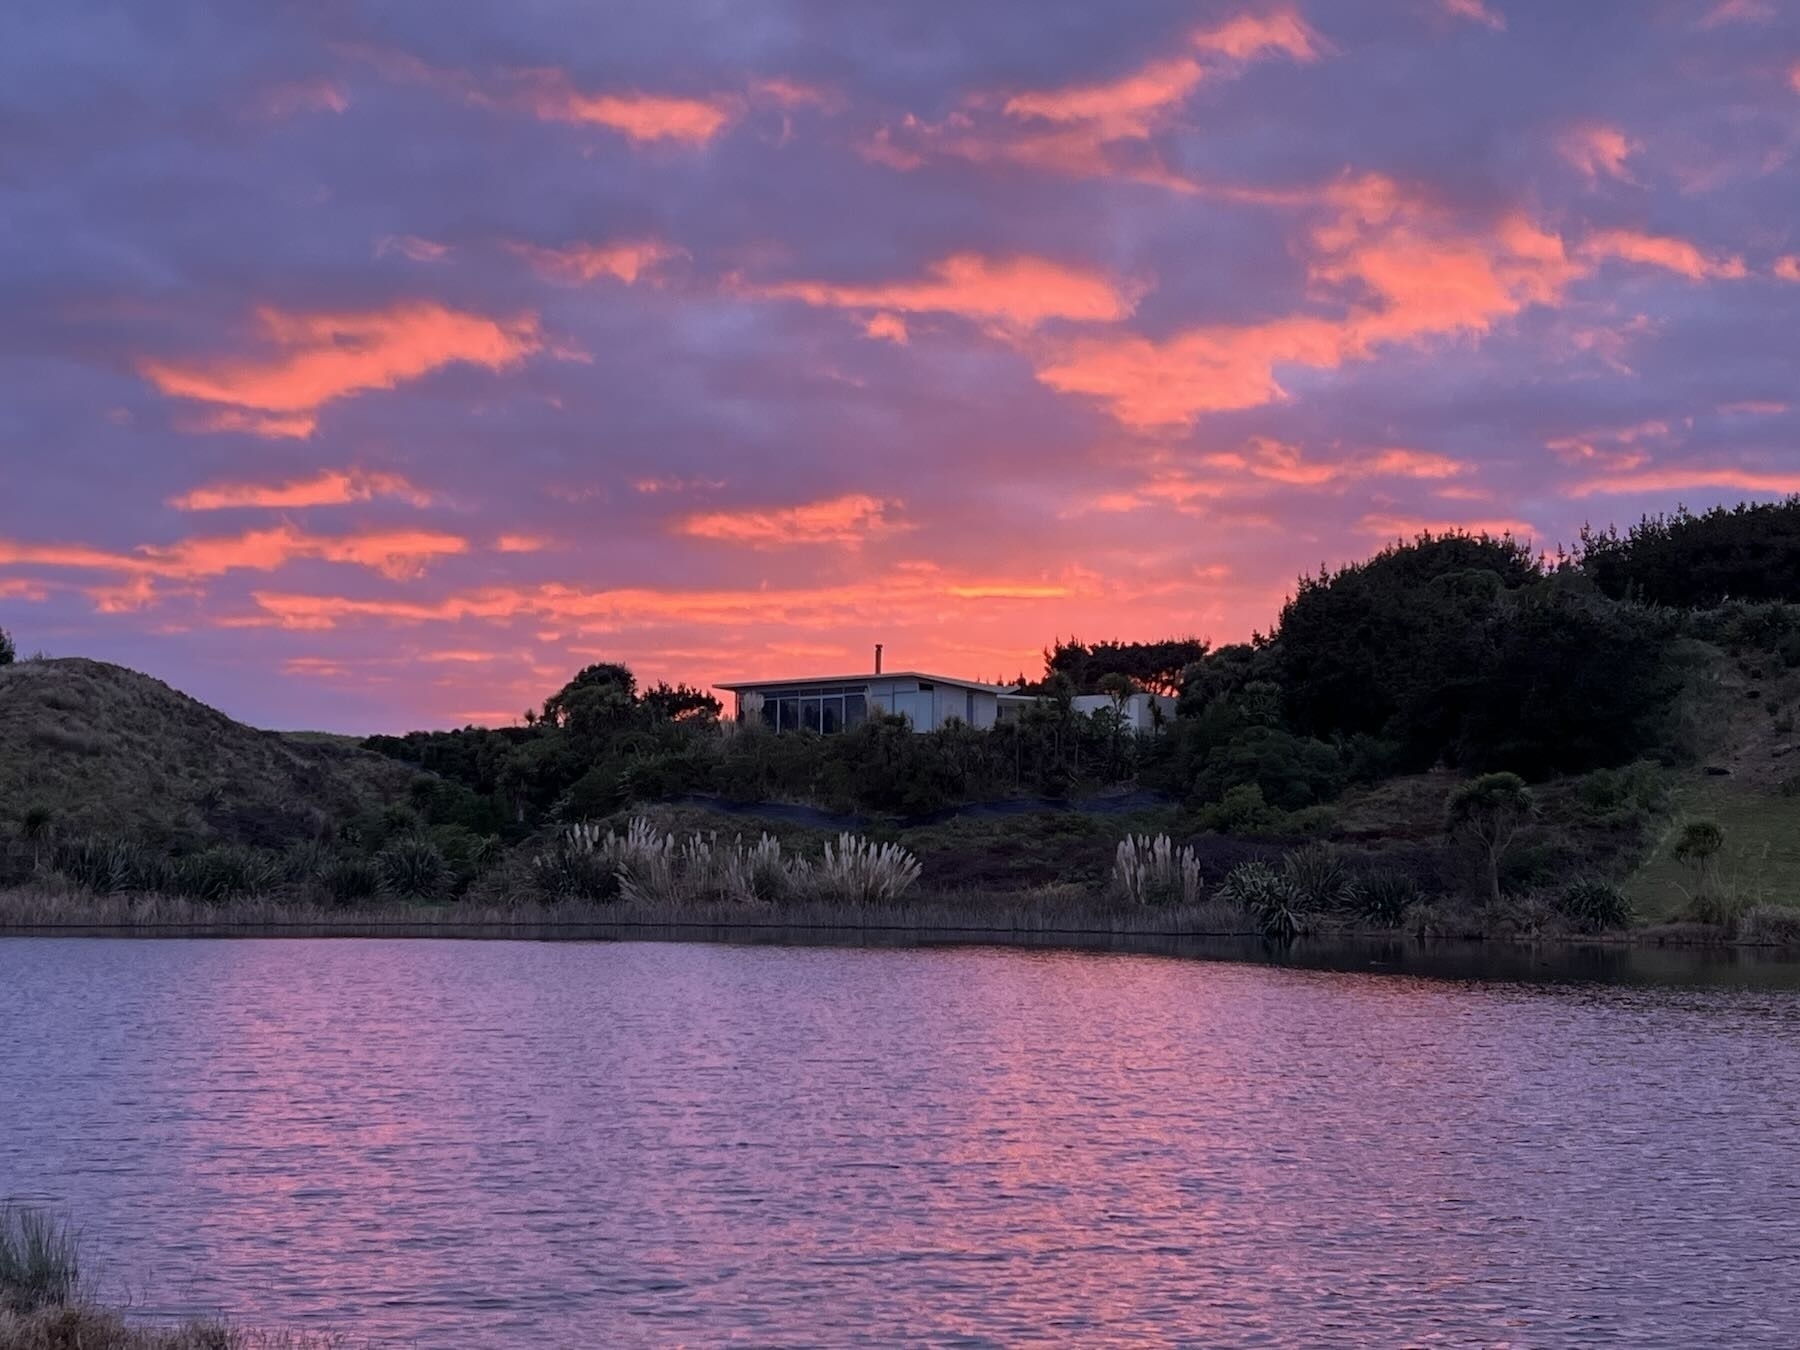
pixel 1383 898
pixel 413 867
pixel 1748 553
pixel 1263 892
pixel 1593 906
pixel 101 864
pixel 222 872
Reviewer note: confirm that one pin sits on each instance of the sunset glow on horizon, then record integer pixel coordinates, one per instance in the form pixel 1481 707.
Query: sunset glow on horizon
pixel 370 369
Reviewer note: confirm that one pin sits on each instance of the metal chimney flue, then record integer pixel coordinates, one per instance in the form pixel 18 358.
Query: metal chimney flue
pixel 878 658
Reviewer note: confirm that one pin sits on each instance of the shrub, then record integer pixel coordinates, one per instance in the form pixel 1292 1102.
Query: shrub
pixel 1150 871
pixel 350 877
pixel 1593 906
pixel 99 863
pixel 1790 787
pixel 1263 893
pixel 1770 926
pixel 1383 898
pixel 1719 908
pixel 566 871
pixel 1316 879
pixel 858 871
pixel 411 866
pixel 222 872
pixel 40 1263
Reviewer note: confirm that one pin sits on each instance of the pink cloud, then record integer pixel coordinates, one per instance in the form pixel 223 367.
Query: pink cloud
pixel 1738 11
pixel 887 328
pixel 394 553
pixel 1663 251
pixel 624 260
pixel 315 359
pixel 1399 271
pixel 1597 151
pixel 850 519
pixel 1685 478
pixel 1016 293
pixel 551 96
pixel 1476 11
pixel 1788 268
pixel 328 487
pixel 412 246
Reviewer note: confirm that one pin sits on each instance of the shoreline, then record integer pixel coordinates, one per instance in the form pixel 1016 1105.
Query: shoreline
pixel 1063 916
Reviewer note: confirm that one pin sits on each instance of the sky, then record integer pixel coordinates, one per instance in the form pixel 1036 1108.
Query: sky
pixel 371 366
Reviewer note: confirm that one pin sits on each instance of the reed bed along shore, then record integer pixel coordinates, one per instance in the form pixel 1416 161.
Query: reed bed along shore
pixel 1044 911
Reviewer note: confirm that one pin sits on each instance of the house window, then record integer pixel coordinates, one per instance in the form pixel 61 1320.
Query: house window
pixel 790 713
pixel 856 711
pixel 809 714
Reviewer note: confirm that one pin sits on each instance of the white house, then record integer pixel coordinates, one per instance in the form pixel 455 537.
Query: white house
pixel 829 703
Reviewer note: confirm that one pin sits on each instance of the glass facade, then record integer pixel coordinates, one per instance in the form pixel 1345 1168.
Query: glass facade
pixel 826 709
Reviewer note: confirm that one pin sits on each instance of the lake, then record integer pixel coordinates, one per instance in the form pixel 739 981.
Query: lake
pixel 562 1144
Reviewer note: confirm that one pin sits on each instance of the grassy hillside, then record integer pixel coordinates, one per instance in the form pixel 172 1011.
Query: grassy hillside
pixel 106 749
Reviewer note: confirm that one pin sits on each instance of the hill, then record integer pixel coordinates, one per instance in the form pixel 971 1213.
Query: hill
pixel 107 749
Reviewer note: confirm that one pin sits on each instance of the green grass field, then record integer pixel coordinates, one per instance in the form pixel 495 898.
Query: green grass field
pixel 1761 861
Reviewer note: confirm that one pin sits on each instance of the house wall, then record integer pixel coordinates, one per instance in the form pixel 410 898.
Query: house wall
pixel 930 709
pixel 1137 708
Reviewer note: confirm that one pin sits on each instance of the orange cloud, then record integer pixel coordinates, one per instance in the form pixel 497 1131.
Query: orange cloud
pixel 796 93
pixel 1398 270
pixel 1262 461
pixel 919 589
pixel 394 553
pixel 841 520
pixel 329 487
pixel 626 260
pixel 1017 293
pixel 520 543
pixel 1476 12
pixel 1684 478
pixel 1670 254
pixel 318 358
pixel 1128 107
pixel 1616 447
pixel 1410 527
pixel 639 116
pixel 887 327
pixel 1098 130
pixel 1595 150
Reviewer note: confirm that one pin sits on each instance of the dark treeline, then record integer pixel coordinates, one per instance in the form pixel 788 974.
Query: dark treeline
pixel 1464 651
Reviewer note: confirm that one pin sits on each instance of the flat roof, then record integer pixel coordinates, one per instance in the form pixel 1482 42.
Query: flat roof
pixel 738 686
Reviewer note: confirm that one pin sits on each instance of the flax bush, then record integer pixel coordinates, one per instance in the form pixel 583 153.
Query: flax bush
pixel 1384 897
pixel 99 863
pixel 413 867
pixel 40 1265
pixel 1150 871
pixel 1593 906
pixel 1317 880
pixel 1264 893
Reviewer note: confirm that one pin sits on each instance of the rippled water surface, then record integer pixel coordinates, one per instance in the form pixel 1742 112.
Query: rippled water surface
pixel 561 1144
